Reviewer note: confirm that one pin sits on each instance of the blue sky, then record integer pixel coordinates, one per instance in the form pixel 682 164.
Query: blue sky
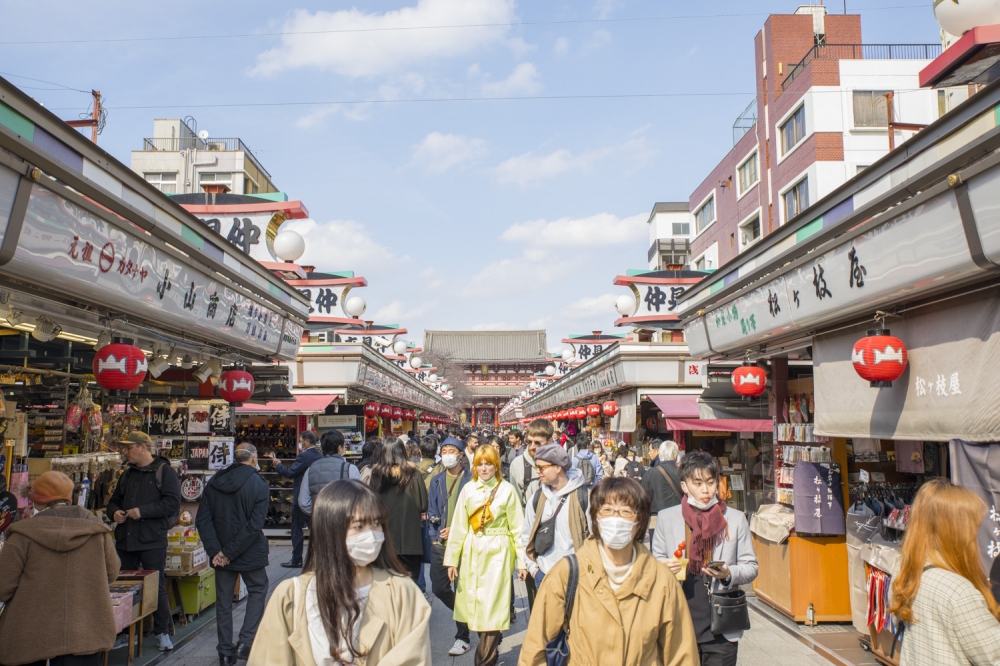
pixel 461 214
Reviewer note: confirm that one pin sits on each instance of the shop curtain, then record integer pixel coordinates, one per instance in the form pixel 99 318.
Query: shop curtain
pixel 950 376
pixel 977 467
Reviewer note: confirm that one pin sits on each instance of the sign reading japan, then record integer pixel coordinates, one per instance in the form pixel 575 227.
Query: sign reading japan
pixel 925 246
pixel 65 247
pixel 250 232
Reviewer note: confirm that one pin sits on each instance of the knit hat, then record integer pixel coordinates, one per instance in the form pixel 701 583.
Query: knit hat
pixel 50 487
pixel 454 441
pixel 555 454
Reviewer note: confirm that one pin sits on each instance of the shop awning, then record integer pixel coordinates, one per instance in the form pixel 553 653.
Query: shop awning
pixel 303 404
pixel 679 406
pixel 728 425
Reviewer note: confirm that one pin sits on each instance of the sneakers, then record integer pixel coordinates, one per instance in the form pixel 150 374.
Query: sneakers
pixel 459 648
pixel 163 642
pixel 121 640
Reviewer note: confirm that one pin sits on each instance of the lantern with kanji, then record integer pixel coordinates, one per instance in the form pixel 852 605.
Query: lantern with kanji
pixel 236 385
pixel 879 358
pixel 385 410
pixel 610 408
pixel 120 366
pixel 749 380
pixel 397 413
pixel 371 409
pixel 593 410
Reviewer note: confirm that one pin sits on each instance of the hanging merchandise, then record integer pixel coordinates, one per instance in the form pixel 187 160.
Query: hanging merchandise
pixel 610 408
pixel 749 380
pixel 192 486
pixel 120 367
pixel 236 386
pixel 879 358
pixel 371 423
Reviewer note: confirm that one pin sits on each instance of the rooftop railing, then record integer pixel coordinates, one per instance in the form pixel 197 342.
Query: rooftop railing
pixel 863 52
pixel 192 142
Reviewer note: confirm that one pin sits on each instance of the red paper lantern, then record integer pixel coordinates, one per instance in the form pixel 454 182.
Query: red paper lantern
pixel 749 381
pixel 561 415
pixel 610 408
pixel 236 385
pixel 581 412
pixel 371 409
pixel 120 366
pixel 593 410
pixel 880 358
pixel 397 413
pixel 385 410
pixel 408 415
pixel 371 423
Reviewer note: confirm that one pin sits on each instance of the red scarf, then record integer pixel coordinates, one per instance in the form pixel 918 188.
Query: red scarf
pixel 708 530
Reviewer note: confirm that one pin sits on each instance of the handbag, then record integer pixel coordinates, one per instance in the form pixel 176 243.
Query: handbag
pixel 557 650
pixel 483 516
pixel 729 610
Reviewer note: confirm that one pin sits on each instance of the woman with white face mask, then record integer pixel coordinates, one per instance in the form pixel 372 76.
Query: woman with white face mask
pixel 354 602
pixel 628 608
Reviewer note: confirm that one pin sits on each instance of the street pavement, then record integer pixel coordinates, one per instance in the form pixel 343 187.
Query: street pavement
pixel 766 644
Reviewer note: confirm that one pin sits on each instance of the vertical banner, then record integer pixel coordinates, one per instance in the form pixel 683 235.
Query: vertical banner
pixel 819 503
pixel 220 452
pixel 977 467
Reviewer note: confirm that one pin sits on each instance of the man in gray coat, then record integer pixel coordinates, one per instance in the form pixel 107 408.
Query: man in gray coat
pixel 331 467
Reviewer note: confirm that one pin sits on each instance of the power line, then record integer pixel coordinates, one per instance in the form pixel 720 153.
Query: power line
pixel 28 78
pixel 510 24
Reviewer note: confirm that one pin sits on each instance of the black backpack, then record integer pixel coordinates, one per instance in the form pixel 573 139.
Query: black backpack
pixel 634 470
pixel 587 468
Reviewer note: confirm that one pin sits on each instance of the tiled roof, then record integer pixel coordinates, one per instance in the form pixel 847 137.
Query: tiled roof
pixel 502 391
pixel 488 346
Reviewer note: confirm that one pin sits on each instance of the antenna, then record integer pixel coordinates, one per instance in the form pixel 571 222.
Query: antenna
pixel 203 135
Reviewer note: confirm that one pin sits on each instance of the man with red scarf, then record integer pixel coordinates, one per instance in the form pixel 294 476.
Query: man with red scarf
pixel 703 530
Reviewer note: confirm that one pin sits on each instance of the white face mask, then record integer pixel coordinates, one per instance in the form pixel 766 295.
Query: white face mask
pixel 363 548
pixel 449 460
pixel 616 533
pixel 703 505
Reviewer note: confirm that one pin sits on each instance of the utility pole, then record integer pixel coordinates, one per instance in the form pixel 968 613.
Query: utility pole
pixel 96 121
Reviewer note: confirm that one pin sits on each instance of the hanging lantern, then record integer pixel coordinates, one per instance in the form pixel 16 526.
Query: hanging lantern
pixel 879 357
pixel 371 409
pixel 408 415
pixel 371 423
pixel 610 408
pixel 385 410
pixel 593 410
pixel 749 381
pixel 120 366
pixel 397 413
pixel 581 412
pixel 236 386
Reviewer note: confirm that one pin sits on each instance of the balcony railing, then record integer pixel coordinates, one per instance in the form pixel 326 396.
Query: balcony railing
pixel 188 143
pixel 863 52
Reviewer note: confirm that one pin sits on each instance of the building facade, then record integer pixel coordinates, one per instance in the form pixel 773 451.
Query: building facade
pixel 669 235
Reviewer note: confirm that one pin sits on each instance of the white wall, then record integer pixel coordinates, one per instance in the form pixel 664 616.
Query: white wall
pixel 661 226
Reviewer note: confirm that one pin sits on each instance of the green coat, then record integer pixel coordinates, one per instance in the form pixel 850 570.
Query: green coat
pixel 485 561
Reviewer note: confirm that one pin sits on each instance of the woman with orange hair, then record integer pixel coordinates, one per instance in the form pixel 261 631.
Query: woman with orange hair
pixel 483 550
pixel 941 592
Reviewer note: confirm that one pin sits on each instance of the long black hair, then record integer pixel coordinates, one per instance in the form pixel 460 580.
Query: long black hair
pixel 336 506
pixel 391 466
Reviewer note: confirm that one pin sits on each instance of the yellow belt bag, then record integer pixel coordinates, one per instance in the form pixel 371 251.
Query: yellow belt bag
pixel 483 516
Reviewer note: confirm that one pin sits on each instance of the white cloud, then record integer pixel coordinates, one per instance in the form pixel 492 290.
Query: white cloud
pixel 599 39
pixel 439 152
pixel 524 80
pixel 598 230
pixel 492 326
pixel 605 8
pixel 397 312
pixel 528 169
pixel 316 117
pixel 472 70
pixel 590 308
pixel 561 46
pixel 371 47
pixel 340 245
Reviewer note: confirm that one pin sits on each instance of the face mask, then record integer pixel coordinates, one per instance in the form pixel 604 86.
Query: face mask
pixel 363 548
pixel 256 465
pixel 449 460
pixel 616 533
pixel 703 505
pixel 414 459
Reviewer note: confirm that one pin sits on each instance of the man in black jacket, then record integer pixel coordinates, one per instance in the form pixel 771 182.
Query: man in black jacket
pixel 144 504
pixel 295 471
pixel 231 524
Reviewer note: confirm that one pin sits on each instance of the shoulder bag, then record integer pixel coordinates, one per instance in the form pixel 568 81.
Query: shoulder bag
pixel 483 516
pixel 673 486
pixel 557 650
pixel 729 610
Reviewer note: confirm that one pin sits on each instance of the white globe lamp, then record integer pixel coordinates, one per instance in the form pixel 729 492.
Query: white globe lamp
pixel 959 18
pixel 433 377
pixel 289 246
pixel 568 355
pixel 399 346
pixel 550 370
pixel 625 304
pixel 416 362
pixel 355 306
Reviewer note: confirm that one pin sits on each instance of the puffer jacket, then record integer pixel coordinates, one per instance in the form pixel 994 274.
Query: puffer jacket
pixel 54 574
pixel 231 517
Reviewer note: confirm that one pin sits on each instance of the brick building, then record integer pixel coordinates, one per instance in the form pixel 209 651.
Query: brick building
pixel 821 116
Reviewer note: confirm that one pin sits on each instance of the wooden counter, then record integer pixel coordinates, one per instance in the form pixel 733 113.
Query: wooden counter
pixel 804 571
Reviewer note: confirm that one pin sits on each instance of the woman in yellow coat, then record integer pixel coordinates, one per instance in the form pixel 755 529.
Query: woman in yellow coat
pixel 483 560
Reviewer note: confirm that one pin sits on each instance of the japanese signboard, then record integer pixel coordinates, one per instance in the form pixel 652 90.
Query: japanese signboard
pixel 249 231
pixel 658 298
pixel 977 467
pixel 220 452
pixel 819 502
pixel 65 246
pixel 323 301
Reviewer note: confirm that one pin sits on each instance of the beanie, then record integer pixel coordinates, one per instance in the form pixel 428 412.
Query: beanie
pixel 51 487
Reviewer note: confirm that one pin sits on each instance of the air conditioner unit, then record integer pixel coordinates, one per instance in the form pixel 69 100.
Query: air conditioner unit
pixel 216 145
pixel 324 336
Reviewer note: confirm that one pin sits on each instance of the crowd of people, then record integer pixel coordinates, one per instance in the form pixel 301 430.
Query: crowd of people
pixel 624 555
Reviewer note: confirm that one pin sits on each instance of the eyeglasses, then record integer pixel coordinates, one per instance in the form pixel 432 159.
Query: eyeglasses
pixel 624 512
pixel 542 468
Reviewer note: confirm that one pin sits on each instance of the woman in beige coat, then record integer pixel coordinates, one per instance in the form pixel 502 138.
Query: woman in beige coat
pixel 354 603
pixel 54 574
pixel 629 608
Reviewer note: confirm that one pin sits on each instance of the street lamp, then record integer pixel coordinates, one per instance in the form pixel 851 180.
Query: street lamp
pixel 550 370
pixel 355 306
pixel 289 246
pixel 399 346
pixel 568 355
pixel 416 362
pixel 625 304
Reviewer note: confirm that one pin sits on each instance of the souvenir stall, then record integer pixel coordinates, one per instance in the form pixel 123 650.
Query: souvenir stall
pixel 867 286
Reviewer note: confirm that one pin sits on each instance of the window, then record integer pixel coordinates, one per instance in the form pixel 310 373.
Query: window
pixel 750 231
pixel 700 264
pixel 672 260
pixel 861 167
pixel 796 199
pixel 870 108
pixel 221 178
pixel 164 182
pixel 793 130
pixel 747 173
pixel 681 228
pixel 705 215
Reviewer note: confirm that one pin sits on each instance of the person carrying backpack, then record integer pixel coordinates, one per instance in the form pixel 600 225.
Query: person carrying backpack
pixel 626 465
pixel 555 522
pixel 588 463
